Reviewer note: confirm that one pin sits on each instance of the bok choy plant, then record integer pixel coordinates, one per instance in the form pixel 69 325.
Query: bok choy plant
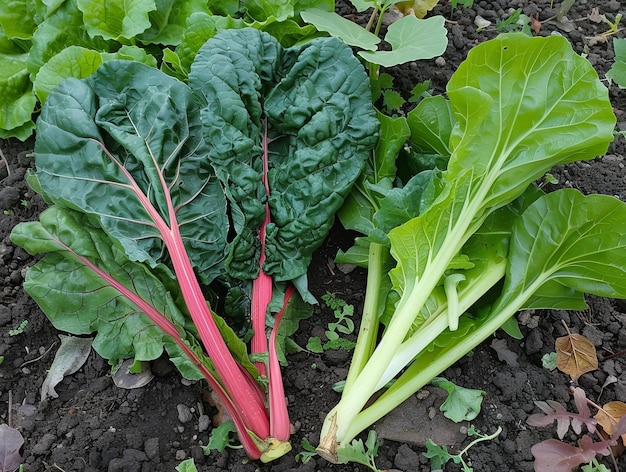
pixel 453 254
pixel 161 192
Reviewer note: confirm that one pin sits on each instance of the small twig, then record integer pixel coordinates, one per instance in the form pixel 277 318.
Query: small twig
pixel 10 407
pixel 6 163
pixel 38 358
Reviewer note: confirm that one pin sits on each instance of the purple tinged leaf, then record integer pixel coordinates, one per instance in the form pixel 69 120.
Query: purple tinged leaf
pixel 553 455
pixel 11 441
pixel 554 411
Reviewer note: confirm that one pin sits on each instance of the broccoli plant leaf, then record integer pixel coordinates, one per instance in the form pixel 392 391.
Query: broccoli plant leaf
pixel 342 28
pixel 411 39
pixel 309 109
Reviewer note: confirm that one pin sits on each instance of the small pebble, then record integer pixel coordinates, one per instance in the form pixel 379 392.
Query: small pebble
pixel 184 413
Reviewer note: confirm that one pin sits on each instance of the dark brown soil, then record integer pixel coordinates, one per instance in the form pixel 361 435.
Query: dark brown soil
pixel 95 426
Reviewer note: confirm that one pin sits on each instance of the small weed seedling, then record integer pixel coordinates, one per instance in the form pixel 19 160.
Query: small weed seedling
pixel 362 454
pixel 307 453
pixel 20 329
pixel 439 455
pixel 221 438
pixel 343 312
pixel 516 21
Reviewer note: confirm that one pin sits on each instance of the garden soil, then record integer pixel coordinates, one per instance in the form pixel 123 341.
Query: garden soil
pixel 97 427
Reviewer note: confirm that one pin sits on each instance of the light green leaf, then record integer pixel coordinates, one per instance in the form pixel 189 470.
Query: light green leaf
pixel 17 18
pixel 74 61
pixel 462 404
pixel 17 100
pixel 568 120
pixel 342 28
pixel 617 72
pixel 431 123
pixel 61 29
pixel 261 10
pixel 188 465
pixel 411 39
pixel 116 19
pixel 168 22
pixel 578 241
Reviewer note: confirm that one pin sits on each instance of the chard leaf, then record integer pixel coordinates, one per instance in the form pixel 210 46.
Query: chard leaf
pixel 82 301
pixel 132 114
pixel 315 101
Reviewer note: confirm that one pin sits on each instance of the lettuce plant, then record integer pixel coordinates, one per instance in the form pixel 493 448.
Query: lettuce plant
pixel 159 189
pixel 43 43
pixel 453 254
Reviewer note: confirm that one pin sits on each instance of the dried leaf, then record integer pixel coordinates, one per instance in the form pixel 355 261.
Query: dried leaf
pixel 535 24
pixel 70 357
pixel 575 355
pixel 610 416
pixel 11 441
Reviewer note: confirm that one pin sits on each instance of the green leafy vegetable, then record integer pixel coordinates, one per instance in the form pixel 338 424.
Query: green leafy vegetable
pixel 480 221
pixel 72 38
pixel 141 171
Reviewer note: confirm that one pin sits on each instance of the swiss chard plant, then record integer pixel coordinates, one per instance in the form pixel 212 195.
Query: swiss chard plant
pixel 164 194
pixel 456 237
pixel 42 42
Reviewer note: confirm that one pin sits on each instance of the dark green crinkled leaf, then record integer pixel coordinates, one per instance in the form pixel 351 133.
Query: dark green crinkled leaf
pixel 316 101
pixel 131 113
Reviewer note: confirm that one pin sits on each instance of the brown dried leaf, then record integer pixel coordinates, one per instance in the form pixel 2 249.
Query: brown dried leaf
pixel 575 355
pixel 535 24
pixel 610 415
